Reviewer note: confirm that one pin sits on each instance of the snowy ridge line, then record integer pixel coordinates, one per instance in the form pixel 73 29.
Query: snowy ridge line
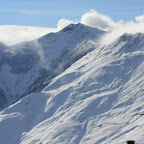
pixel 94 101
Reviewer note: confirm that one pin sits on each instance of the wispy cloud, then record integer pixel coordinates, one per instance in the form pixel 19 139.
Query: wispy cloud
pixel 43 12
pixel 140 19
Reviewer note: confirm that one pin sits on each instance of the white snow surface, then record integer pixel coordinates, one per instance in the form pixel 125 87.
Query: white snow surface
pixel 95 101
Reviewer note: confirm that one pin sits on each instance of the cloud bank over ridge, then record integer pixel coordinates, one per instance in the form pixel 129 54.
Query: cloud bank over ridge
pixel 11 34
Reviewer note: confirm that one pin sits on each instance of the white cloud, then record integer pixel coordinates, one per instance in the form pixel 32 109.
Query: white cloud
pixel 63 23
pixel 94 19
pixel 140 19
pixel 104 22
pixel 11 34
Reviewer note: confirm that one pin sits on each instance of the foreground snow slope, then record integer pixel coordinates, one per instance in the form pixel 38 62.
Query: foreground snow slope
pixel 25 66
pixel 95 101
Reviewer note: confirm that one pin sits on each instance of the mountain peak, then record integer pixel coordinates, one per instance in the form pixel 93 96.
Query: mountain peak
pixel 71 27
pixel 85 31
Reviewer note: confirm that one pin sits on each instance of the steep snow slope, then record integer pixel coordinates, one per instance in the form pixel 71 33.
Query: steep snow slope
pixel 25 66
pixel 95 101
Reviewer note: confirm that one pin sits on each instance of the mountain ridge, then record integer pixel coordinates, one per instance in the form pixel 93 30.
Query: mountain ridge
pixel 96 100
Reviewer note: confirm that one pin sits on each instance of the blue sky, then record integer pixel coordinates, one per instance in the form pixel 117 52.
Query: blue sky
pixel 47 13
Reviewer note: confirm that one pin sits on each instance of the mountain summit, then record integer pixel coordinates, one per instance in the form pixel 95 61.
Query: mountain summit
pixel 24 67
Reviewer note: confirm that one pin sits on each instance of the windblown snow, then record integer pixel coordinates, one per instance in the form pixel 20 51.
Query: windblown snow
pixel 88 94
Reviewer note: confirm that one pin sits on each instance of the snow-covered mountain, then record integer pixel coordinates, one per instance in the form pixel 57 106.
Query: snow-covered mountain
pixel 99 99
pixel 24 67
